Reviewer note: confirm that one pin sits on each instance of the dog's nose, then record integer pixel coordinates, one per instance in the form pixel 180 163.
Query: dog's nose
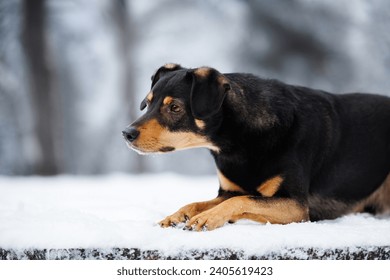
pixel 130 134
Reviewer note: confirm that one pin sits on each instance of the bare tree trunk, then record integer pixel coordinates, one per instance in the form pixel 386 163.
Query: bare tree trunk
pixel 126 36
pixel 35 49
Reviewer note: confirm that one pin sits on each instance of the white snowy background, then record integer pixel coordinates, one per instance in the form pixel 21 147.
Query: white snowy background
pixel 122 211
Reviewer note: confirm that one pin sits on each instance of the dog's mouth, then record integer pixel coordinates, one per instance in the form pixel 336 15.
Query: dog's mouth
pixel 161 146
pixel 146 149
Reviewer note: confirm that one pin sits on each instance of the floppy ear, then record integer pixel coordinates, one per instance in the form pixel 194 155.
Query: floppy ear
pixel 209 89
pixel 143 105
pixel 164 69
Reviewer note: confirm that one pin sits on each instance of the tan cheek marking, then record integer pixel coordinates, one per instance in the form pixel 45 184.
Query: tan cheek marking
pixel 149 130
pixel 270 187
pixel 200 124
pixel 167 100
pixel 149 97
pixel 186 140
pixel 154 137
pixel 228 185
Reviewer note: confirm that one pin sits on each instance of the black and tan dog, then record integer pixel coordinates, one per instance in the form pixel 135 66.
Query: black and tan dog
pixel 283 153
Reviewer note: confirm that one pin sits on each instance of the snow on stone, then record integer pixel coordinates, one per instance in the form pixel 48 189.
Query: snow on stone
pixel 122 211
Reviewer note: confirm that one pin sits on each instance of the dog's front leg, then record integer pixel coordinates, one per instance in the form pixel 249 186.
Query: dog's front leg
pixel 187 212
pixel 259 209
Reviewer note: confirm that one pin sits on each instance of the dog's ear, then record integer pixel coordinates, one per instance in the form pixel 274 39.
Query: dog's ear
pixel 143 105
pixel 209 89
pixel 169 67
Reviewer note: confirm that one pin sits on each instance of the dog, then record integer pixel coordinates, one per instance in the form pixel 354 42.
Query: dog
pixel 283 153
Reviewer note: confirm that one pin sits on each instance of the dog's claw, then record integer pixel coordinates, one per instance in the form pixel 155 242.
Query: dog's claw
pixel 189 228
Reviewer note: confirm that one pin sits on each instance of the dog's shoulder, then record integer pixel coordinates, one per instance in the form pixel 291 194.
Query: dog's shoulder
pixel 265 103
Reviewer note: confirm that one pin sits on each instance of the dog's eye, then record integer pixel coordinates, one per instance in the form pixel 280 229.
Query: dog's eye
pixel 174 108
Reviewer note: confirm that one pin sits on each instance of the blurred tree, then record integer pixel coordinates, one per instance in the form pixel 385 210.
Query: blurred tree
pixel 287 40
pixel 40 85
pixel 125 36
pixel 298 42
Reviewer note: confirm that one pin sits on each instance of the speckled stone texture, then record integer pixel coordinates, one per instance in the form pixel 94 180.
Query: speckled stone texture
pixel 355 253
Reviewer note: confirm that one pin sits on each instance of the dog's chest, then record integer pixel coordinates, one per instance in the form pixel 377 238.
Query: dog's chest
pixel 249 182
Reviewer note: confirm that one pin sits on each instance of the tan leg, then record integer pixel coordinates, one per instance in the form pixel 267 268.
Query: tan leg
pixel 188 211
pixel 275 210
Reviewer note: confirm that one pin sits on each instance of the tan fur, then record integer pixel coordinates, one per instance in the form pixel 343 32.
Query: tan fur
pixel 222 80
pixel 189 211
pixel 270 187
pixel 149 97
pixel 170 65
pixel 154 137
pixel 228 185
pixel 200 124
pixel 380 199
pixel 202 72
pixel 167 100
pixel 185 140
pixel 276 211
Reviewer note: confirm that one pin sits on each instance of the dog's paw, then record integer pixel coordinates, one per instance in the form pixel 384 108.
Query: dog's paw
pixel 173 220
pixel 208 220
pixel 183 215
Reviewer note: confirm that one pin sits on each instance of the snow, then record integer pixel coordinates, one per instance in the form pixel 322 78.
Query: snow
pixel 122 211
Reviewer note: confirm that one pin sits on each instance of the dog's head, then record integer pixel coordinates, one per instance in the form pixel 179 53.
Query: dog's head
pixel 180 105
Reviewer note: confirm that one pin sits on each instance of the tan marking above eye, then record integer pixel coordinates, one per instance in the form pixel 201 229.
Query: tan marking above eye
pixel 270 187
pixel 200 124
pixel 170 65
pixel 149 97
pixel 167 100
pixel 228 185
pixel 202 72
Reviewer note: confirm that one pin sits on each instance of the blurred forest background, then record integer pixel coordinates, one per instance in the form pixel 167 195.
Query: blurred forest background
pixel 73 72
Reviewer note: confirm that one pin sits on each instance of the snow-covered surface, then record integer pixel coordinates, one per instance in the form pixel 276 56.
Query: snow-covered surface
pixel 122 211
